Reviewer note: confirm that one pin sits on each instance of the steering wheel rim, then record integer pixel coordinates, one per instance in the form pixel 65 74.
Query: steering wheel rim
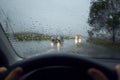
pixel 61 59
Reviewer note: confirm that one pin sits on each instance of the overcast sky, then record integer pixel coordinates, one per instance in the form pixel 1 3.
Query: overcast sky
pixel 48 16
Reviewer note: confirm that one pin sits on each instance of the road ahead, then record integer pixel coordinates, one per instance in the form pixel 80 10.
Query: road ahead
pixel 34 48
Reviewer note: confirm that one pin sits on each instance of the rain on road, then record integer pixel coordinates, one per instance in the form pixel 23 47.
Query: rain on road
pixel 34 48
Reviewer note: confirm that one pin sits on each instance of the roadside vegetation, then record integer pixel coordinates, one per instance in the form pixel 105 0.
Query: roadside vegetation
pixel 104 20
pixel 29 36
pixel 106 43
pixel 104 17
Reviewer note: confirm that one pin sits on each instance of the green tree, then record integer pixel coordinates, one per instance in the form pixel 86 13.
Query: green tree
pixel 105 15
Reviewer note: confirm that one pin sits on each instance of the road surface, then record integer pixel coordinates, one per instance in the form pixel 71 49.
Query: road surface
pixel 33 48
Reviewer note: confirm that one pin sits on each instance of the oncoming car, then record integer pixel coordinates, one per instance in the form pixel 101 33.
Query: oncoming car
pixel 77 39
pixel 55 40
pixel 27 28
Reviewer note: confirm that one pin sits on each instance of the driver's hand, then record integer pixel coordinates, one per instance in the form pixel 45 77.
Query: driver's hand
pixel 98 75
pixel 14 74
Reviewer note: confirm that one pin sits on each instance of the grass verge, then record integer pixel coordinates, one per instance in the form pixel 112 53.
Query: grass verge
pixel 106 43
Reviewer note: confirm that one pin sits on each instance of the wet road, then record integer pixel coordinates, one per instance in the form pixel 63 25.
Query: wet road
pixel 34 48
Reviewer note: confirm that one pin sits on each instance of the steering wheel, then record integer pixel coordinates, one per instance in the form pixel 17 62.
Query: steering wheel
pixel 60 67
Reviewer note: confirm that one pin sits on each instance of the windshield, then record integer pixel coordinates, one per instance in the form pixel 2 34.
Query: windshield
pixel 89 28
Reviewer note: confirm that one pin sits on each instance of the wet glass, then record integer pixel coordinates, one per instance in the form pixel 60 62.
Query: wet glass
pixel 36 27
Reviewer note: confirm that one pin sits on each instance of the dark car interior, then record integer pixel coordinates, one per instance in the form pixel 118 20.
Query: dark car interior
pixel 53 66
pixel 3 60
